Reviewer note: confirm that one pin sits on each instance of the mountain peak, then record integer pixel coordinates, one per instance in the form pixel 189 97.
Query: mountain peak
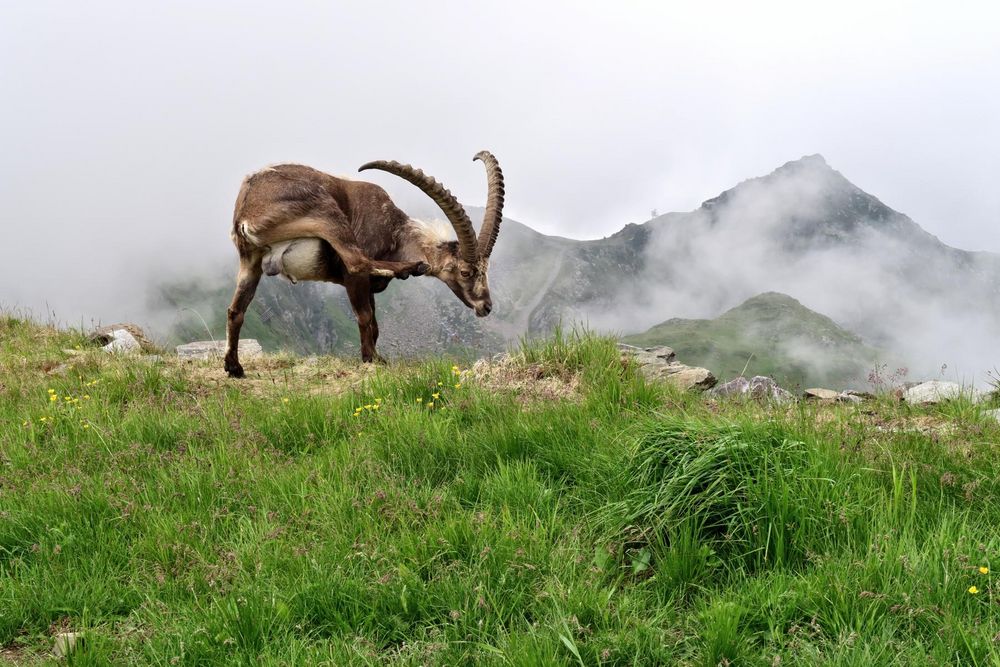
pixel 814 160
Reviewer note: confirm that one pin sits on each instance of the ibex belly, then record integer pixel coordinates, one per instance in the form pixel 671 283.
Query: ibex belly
pixel 298 259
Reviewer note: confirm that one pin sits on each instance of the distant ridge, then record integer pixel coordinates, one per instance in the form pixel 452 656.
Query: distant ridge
pixel 769 334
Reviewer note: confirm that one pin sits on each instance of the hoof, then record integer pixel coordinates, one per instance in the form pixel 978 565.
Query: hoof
pixel 234 370
pixel 422 269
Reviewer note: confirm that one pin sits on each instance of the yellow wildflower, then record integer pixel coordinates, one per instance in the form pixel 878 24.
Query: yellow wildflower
pixel 86 397
pixel 284 400
pixel 973 590
pixel 440 384
pixel 420 400
pixel 458 385
pixel 53 397
pixel 436 395
pixel 368 406
pixel 52 391
pixel 431 404
pixel 86 425
pixel 25 423
pixel 41 419
pixel 984 570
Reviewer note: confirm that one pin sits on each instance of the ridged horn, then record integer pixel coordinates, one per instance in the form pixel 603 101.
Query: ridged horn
pixel 446 201
pixel 494 203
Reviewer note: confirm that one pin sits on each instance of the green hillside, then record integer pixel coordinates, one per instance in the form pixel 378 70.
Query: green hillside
pixel 769 334
pixel 550 509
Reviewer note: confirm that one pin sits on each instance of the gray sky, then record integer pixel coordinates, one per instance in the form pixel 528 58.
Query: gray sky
pixel 126 126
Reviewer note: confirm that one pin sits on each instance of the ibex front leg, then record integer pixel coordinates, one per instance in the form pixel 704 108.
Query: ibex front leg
pixel 360 294
pixel 332 227
pixel 246 287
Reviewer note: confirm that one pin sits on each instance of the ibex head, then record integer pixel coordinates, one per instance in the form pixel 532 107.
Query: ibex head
pixel 465 262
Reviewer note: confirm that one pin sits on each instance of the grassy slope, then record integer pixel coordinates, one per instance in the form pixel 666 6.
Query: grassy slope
pixel 176 515
pixel 769 334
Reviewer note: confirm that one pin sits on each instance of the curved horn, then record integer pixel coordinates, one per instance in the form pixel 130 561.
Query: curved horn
pixel 494 203
pixel 446 201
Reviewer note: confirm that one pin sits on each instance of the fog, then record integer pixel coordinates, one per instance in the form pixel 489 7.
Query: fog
pixel 806 231
pixel 127 127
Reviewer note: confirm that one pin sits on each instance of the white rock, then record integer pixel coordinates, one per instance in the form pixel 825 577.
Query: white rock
pixel 993 413
pixel 122 342
pixel 936 391
pixel 215 349
pixel 758 388
pixel 66 642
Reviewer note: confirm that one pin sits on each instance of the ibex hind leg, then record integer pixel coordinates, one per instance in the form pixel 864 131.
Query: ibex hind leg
pixel 332 227
pixel 246 286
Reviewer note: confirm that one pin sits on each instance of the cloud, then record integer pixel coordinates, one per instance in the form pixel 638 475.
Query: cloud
pixel 807 232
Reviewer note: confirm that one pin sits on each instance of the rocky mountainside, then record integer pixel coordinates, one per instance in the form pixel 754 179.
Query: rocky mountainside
pixel 770 334
pixel 803 230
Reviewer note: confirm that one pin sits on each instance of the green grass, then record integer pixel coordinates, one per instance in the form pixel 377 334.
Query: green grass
pixel 176 517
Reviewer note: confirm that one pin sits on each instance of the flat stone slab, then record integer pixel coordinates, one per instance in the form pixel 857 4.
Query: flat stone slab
pixel 938 391
pixel 659 363
pixel 818 393
pixel 216 349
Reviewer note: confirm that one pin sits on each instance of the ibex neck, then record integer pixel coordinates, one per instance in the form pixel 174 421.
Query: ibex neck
pixel 427 241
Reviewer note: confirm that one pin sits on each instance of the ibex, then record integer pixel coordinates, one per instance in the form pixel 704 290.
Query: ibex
pixel 306 225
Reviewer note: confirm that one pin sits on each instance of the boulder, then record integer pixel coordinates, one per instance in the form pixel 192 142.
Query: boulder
pixel 215 349
pixel 660 363
pixel 758 388
pixel 937 391
pixel 123 342
pixel 106 335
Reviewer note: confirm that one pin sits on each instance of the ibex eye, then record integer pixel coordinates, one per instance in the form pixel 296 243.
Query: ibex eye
pixel 466 274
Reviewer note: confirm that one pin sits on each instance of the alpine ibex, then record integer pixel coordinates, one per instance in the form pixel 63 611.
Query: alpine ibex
pixel 306 225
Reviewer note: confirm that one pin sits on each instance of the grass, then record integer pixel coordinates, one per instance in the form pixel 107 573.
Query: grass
pixel 328 514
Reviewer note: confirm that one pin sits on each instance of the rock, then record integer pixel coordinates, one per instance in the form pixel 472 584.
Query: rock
pixel 105 335
pixel 649 355
pixel 215 349
pixel 831 396
pixel 151 358
pixel 659 363
pixel 66 643
pixel 758 388
pixel 859 395
pixel 995 414
pixel 817 393
pixel 123 342
pixel 689 377
pixel 937 391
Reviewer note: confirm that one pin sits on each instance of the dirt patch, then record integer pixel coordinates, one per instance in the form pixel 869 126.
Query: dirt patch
pixel 268 374
pixel 528 382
